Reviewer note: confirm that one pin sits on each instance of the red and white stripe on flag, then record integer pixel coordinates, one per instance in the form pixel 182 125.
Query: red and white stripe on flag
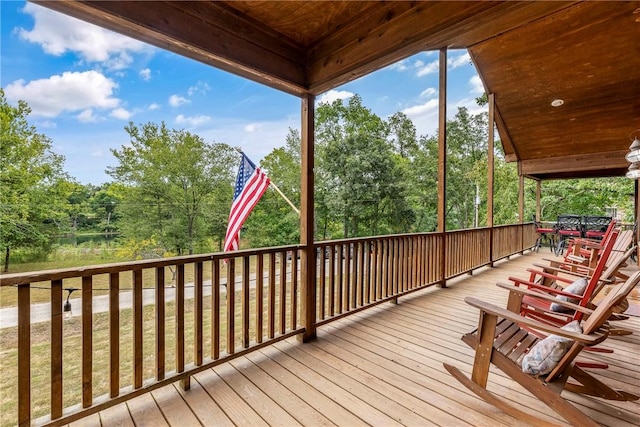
pixel 251 183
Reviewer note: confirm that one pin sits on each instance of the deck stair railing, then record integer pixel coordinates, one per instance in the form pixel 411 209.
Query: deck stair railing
pixel 145 324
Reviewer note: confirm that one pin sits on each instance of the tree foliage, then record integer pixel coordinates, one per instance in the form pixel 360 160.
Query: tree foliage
pixel 32 180
pixel 173 181
pixel 172 191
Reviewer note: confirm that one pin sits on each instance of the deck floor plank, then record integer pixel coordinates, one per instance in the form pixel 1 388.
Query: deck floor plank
pixel 305 391
pixel 294 405
pixel 145 412
pixel 203 406
pixel 238 410
pixel 269 411
pixel 173 407
pixel 116 416
pixel 380 367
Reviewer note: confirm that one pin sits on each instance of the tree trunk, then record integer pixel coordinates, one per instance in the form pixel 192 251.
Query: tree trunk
pixel 6 260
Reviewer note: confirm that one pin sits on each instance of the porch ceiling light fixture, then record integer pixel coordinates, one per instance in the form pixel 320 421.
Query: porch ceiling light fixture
pixel 633 172
pixel 633 156
pixel 557 102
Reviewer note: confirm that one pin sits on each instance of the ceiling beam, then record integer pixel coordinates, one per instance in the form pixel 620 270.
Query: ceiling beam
pixel 574 163
pixel 209 32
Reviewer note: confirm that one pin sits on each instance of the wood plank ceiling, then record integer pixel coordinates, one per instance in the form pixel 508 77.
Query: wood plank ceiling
pixel 527 54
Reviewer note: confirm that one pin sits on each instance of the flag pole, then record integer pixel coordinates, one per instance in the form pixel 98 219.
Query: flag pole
pixel 275 187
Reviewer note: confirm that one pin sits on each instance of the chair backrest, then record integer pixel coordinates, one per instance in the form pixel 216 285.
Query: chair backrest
pixel 592 285
pixel 569 222
pixel 599 224
pixel 606 306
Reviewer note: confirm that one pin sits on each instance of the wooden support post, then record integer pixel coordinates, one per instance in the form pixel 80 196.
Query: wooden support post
pixel 538 196
pixel 442 163
pixel 521 210
pixel 308 258
pixel 490 174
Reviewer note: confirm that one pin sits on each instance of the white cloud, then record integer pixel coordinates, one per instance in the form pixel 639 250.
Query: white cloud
pixel 253 127
pixel 256 145
pixel 430 68
pixel 121 113
pixel 428 92
pixel 47 124
pixel 177 100
pixel 58 33
pixel 192 121
pixel 416 111
pixel 332 95
pixel 434 66
pixel 154 106
pixel 145 74
pixel 399 66
pixel 459 61
pixel 97 153
pixel 200 87
pixel 87 116
pixel 71 91
pixel 476 85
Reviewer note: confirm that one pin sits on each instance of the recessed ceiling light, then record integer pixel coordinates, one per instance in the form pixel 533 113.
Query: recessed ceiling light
pixel 557 102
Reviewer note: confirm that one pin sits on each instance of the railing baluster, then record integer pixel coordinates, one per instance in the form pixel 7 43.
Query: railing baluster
pixel 87 341
pixel 366 272
pixel 231 304
pixel 323 282
pixel 259 296
pixel 272 294
pixel 24 355
pixel 56 349
pixel 215 308
pixel 355 276
pixel 179 318
pixel 332 280
pixel 339 292
pixel 137 329
pixel 245 302
pixel 283 292
pixel 347 276
pixel 198 322
pixel 294 291
pixel 114 334
pixel 160 324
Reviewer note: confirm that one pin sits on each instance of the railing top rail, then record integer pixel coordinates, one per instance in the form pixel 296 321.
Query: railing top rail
pixel 14 279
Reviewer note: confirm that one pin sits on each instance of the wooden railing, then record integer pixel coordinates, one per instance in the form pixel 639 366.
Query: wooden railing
pixel 145 324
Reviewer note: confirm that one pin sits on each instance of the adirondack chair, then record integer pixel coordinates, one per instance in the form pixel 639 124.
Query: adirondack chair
pixel 503 337
pixel 622 250
pixel 531 305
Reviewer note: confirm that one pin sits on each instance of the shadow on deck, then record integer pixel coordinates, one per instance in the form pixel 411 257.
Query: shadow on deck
pixel 382 366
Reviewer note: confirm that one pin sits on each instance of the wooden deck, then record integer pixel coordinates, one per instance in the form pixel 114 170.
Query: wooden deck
pixel 382 366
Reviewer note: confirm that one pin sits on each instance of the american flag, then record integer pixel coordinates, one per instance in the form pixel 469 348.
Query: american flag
pixel 251 184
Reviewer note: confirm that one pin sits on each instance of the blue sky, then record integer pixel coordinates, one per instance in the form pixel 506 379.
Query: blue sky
pixel 84 84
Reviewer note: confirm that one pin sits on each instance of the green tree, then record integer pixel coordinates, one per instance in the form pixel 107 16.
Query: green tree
pixel 359 182
pixel 273 222
pixel 33 184
pixel 105 204
pixel 170 177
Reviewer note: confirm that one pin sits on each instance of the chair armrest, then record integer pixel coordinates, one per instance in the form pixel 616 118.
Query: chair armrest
pixel 548 275
pixel 591 339
pixel 550 269
pixel 545 296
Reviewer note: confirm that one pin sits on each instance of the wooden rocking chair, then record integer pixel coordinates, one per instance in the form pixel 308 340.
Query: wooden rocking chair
pixel 531 305
pixel 503 337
